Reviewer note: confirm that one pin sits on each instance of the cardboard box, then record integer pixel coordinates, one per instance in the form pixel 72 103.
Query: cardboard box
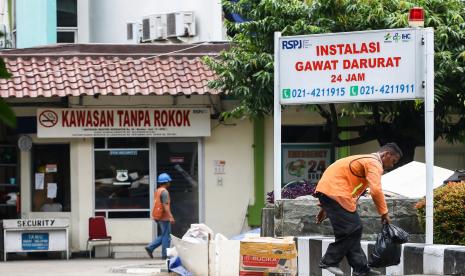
pixel 263 256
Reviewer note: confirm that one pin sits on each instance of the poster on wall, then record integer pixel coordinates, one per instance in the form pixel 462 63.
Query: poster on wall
pixel 305 162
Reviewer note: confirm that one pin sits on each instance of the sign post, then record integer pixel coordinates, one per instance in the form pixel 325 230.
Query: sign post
pixel 429 133
pixel 368 66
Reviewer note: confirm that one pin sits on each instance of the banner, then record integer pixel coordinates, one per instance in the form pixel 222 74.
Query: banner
pixel 113 122
pixel 380 65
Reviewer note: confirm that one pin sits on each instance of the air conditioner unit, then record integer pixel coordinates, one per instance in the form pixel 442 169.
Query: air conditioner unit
pixel 133 32
pixel 180 24
pixel 154 27
pixel 5 40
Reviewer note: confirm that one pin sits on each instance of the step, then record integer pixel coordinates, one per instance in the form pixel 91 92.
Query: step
pixel 132 251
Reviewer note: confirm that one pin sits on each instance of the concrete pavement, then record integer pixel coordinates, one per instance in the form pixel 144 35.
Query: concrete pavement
pixel 83 267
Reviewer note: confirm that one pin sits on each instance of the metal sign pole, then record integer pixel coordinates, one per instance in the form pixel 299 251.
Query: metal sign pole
pixel 277 122
pixel 429 132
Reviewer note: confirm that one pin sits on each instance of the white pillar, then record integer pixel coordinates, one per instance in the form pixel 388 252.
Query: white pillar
pixel 429 132
pixel 277 122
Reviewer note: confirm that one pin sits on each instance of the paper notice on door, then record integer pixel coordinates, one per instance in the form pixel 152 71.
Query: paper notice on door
pixel 51 190
pixel 39 181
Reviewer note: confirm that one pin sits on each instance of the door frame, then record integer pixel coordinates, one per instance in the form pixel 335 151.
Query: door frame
pixel 201 171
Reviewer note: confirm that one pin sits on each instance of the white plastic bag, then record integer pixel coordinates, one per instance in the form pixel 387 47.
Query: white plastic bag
pixel 172 252
pixel 198 233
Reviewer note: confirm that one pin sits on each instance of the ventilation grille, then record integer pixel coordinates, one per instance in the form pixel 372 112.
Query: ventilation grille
pixel 171 22
pixel 129 31
pixel 146 28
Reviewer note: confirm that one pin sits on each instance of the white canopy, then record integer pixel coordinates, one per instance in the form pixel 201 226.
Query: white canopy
pixel 410 179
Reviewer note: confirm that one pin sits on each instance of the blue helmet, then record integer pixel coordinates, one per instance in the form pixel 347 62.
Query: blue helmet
pixel 164 178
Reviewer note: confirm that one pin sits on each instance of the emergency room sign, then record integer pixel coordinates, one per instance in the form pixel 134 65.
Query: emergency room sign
pixel 113 122
pixel 381 65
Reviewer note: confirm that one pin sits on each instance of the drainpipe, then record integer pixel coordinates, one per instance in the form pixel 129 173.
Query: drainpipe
pixel 344 151
pixel 254 211
pixel 10 17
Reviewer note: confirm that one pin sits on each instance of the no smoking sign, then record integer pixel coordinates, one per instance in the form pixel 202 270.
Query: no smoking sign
pixel 48 118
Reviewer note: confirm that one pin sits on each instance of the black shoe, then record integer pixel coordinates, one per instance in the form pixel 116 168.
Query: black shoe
pixel 333 269
pixel 149 252
pixel 370 272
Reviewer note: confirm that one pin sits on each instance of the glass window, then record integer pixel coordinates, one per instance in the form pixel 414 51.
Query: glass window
pixel 51 190
pixel 180 161
pixel 9 186
pixel 99 143
pixel 10 182
pixel 122 177
pixel 67 13
pixel 66 36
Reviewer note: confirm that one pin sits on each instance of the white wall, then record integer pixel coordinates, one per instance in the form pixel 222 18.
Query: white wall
pixel 108 18
pixel 227 202
pixel 83 21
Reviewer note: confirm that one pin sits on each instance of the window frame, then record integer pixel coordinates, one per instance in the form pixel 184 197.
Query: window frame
pixel 68 30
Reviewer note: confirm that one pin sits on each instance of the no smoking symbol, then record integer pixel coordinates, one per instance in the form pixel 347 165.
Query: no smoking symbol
pixel 48 118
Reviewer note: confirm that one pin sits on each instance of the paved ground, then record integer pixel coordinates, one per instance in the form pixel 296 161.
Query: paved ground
pixel 81 267
pixel 84 267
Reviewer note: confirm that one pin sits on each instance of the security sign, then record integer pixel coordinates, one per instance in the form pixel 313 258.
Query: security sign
pixel 382 65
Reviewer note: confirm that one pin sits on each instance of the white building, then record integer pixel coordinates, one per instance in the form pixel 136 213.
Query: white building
pixel 217 176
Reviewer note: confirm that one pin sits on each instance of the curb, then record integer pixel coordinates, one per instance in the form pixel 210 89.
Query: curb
pixel 416 258
pixel 141 269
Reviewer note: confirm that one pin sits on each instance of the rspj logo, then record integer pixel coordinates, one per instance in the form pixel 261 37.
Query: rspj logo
pixel 295 44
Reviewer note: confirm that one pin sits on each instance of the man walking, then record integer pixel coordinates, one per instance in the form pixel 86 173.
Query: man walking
pixel 161 213
pixel 338 191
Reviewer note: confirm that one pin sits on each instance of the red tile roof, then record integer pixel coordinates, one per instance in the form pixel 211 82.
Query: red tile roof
pixel 89 69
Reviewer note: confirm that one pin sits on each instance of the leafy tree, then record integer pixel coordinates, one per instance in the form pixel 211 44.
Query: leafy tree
pixel 7 115
pixel 246 70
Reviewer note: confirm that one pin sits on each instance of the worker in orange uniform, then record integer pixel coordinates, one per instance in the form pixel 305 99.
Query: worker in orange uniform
pixel 161 213
pixel 338 191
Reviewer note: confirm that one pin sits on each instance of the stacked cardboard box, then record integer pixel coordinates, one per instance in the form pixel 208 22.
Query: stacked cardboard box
pixel 264 256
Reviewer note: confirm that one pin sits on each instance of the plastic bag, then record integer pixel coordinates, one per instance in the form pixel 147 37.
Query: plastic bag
pixel 198 233
pixel 388 246
pixel 171 252
pixel 175 265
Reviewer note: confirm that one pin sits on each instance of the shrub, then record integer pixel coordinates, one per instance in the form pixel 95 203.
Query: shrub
pixel 293 190
pixel 449 213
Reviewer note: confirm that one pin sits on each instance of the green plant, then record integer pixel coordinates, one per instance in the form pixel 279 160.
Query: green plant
pixel 449 213
pixel 7 116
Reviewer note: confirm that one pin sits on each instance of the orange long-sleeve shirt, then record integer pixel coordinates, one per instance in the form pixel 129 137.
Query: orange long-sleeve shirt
pixel 345 186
